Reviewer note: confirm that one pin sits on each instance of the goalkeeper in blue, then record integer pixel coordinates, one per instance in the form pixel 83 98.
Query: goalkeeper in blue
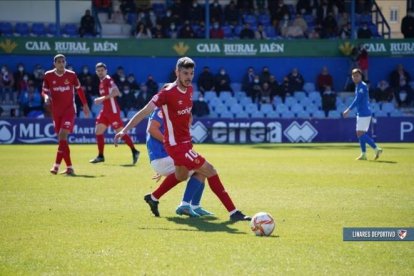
pixel 163 165
pixel 361 102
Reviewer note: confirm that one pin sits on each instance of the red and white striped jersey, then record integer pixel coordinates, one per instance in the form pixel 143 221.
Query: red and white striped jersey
pixel 110 106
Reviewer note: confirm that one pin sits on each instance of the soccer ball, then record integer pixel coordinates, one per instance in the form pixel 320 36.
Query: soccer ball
pixel 262 224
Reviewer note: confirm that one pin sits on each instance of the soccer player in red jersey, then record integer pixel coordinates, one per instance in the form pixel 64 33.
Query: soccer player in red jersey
pixel 110 114
pixel 175 101
pixel 58 90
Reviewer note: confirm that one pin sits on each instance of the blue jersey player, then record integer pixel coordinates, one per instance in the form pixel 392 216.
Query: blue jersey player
pixel 361 102
pixel 163 165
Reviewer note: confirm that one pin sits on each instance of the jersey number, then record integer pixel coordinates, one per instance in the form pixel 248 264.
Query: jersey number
pixel 191 155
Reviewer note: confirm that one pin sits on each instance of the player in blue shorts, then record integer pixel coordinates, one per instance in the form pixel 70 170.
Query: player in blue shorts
pixel 163 165
pixel 361 102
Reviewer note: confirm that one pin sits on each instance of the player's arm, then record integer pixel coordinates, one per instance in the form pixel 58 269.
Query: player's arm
pixel 154 130
pixel 353 104
pixel 138 117
pixel 82 97
pixel 114 92
pixel 46 91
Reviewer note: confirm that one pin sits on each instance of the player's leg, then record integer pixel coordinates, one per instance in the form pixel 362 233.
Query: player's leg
pixel 127 139
pixel 59 153
pixel 193 185
pixel 218 189
pixel 63 140
pixel 196 198
pixel 100 129
pixel 362 145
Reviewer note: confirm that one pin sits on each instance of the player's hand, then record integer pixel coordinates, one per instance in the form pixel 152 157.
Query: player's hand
pixel 118 136
pixel 86 111
pixel 99 100
pixel 156 177
pixel 48 100
pixel 345 113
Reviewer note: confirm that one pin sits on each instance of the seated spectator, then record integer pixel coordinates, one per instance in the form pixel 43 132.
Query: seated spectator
pixel 38 76
pixel 345 31
pixel 364 32
pixel 132 83
pixel 128 6
pixel 329 26
pixel 127 100
pixel 24 83
pixel 119 76
pixel 143 32
pixel 103 6
pixel 400 82
pixel 152 85
pixel 30 100
pixel 143 97
pixel 256 90
pixel 328 100
pixel 383 92
pixel 117 17
pixel 186 31
pixel 324 80
pixel 196 13
pixel 157 31
pixel 277 10
pixel 172 31
pixel 247 80
pixel 299 22
pixel 343 19
pixel 266 93
pixel 285 90
pixel 6 85
pixel 205 81
pixel 275 87
pixel 231 14
pixel 222 82
pixel 246 32
pixel 283 25
pixel 407 25
pixel 265 75
pixel 260 33
pixel 18 76
pixel 84 74
pixel 87 25
pixel 315 33
pixel 167 20
pixel 216 11
pixel 200 107
pixel 216 32
pixel 295 80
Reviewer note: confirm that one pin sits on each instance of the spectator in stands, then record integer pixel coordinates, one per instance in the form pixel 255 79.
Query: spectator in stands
pixel 383 92
pixel 364 32
pixel 343 19
pixel 117 17
pixel 283 25
pixel 119 77
pixel 30 100
pixel 200 107
pixel 172 31
pixel 295 80
pixel 247 80
pixel 205 81
pixel 201 31
pixel 256 90
pixel 265 75
pixel 324 80
pixel 345 31
pixel 304 5
pixel 38 75
pixel 277 10
pixel 275 87
pixel 18 76
pixel 260 33
pixel 186 31
pixel 6 85
pixel 315 33
pixel 103 6
pixel 143 32
pixel 84 74
pixel 24 83
pixel 143 97
pixel 362 60
pixel 246 32
pixel 152 85
pixel 231 14
pixel 132 83
pixel 196 13
pixel 407 25
pixel 87 25
pixel 328 100
pixel 329 26
pixel 216 32
pixel 157 31
pixel 400 81
pixel 127 101
pixel 222 82
pixel 216 12
pixel 266 95
pixel 246 6
pixel 300 23
pixel 177 11
pixel 128 6
pixel 91 89
pixel 322 11
pixel 166 20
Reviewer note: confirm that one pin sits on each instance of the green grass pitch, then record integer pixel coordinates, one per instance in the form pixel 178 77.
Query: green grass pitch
pixel 98 222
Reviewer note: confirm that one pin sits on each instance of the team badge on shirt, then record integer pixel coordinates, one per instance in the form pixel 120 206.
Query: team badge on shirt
pixel 66 81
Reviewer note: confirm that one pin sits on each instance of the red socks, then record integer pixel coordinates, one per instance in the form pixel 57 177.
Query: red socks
pixel 63 152
pixel 217 188
pixel 128 141
pixel 168 183
pixel 101 144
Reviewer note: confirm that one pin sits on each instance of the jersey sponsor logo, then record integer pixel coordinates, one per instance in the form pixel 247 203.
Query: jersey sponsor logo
pixel 184 111
pixel 61 88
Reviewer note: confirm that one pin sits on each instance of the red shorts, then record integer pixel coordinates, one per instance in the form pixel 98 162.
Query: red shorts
pixel 110 119
pixel 184 155
pixel 64 121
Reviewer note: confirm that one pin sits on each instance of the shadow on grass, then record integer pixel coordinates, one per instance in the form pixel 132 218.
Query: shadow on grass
pixel 205 224
pixel 87 176
pixel 317 146
pixel 384 161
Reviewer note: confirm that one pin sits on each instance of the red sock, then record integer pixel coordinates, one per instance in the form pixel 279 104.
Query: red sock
pixel 168 183
pixel 59 153
pixel 66 153
pixel 128 141
pixel 217 188
pixel 101 144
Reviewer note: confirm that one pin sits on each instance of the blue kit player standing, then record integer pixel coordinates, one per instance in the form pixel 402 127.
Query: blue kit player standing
pixel 163 165
pixel 361 102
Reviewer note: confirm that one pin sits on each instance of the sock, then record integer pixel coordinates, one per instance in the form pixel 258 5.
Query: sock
pixel 217 188
pixel 369 141
pixel 192 186
pixel 362 144
pixel 59 153
pixel 128 141
pixel 168 183
pixel 195 200
pixel 66 153
pixel 101 144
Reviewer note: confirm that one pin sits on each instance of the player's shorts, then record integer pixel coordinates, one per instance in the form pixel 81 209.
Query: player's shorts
pixel 64 121
pixel 184 155
pixel 165 166
pixel 110 119
pixel 362 123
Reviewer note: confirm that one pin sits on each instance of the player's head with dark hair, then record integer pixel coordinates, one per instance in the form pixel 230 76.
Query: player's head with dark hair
pixel 58 56
pixel 357 75
pixel 100 64
pixel 186 63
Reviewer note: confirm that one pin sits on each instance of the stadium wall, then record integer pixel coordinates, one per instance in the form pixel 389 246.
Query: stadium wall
pixel 236 131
